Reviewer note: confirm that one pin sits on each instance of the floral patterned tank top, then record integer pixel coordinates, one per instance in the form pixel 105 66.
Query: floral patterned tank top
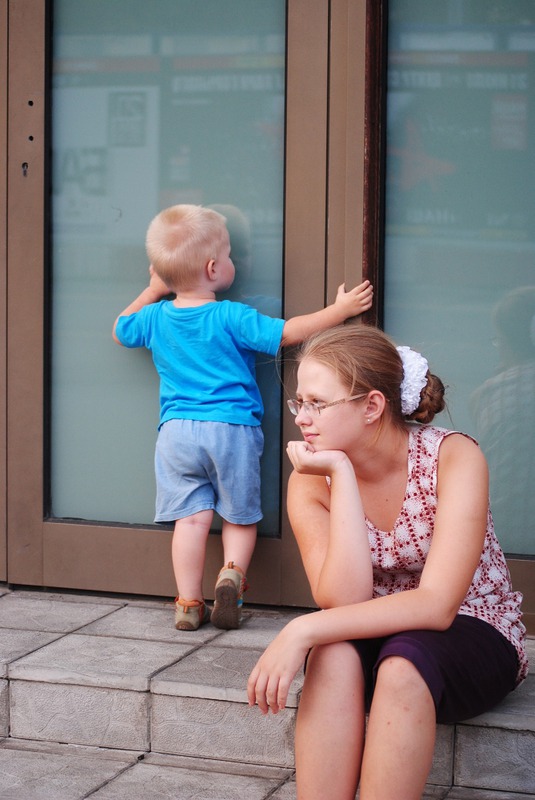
pixel 399 555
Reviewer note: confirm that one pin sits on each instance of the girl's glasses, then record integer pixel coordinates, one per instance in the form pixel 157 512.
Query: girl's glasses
pixel 315 409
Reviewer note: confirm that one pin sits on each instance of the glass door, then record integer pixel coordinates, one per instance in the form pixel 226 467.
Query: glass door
pixel 153 104
pixel 241 105
pixel 460 231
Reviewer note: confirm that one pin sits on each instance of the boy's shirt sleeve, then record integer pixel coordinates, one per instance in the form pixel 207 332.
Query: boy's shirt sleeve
pixel 132 330
pixel 260 332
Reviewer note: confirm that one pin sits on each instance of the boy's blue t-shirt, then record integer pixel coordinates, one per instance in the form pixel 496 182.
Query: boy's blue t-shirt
pixel 205 357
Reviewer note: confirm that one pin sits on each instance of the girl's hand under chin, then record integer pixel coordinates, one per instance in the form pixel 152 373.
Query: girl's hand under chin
pixel 305 459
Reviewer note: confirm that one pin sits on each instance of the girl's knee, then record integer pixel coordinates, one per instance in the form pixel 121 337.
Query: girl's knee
pixel 333 661
pixel 399 677
pixel 334 683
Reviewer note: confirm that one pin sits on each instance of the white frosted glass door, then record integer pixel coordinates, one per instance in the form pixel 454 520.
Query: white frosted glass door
pixel 460 226
pixel 152 104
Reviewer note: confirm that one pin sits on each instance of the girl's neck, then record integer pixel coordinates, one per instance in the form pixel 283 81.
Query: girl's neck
pixel 386 454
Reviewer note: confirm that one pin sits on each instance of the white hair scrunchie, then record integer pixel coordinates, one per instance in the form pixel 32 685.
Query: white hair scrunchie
pixel 415 369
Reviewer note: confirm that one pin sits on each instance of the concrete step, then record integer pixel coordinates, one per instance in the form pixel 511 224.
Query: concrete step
pixel 107 686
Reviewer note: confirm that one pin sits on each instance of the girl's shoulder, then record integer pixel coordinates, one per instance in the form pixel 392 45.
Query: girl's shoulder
pixel 433 435
pixel 431 445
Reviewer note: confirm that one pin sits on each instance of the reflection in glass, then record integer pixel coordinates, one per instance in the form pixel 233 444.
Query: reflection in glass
pixel 504 413
pixel 153 104
pixel 460 204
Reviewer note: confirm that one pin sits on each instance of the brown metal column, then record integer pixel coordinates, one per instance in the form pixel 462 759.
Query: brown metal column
pixel 3 236
pixel 25 288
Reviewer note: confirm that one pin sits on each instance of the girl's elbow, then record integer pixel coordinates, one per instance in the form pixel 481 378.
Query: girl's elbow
pixel 442 617
pixel 325 598
pixel 442 623
pixel 448 617
pixel 433 610
pixel 321 599
pixel 335 599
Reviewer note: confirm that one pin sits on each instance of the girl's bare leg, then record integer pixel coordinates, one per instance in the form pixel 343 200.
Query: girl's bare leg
pixel 330 724
pixel 238 544
pixel 189 552
pixel 400 739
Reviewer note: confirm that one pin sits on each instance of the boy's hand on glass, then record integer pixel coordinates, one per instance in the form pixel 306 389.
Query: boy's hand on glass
pixel 357 300
pixel 156 284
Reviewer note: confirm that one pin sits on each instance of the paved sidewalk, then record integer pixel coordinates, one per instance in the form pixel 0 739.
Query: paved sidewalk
pixel 100 697
pixel 68 651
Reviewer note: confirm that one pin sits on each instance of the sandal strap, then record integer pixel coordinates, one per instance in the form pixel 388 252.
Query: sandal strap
pixel 243 582
pixel 232 565
pixel 186 604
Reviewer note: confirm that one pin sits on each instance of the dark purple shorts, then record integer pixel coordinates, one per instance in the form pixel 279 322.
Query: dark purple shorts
pixel 469 668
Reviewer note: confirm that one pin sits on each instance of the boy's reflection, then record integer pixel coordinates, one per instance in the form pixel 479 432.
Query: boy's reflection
pixel 266 370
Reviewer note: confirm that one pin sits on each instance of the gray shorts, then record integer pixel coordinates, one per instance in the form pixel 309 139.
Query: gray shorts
pixel 208 465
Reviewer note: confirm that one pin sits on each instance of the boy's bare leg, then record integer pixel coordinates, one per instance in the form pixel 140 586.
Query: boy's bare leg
pixel 189 552
pixel 238 544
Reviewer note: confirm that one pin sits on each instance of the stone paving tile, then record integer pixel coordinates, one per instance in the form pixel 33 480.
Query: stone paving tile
pixel 232 730
pixel 98 661
pixel 484 794
pixel 217 673
pixel 517 711
pixel 4 708
pixel 257 630
pixel 21 612
pixel 442 766
pixel 40 775
pixel 145 781
pixel 287 791
pixel 430 793
pixel 68 596
pixel 495 759
pixel 149 624
pixel 14 644
pixel 84 715
pixel 217 765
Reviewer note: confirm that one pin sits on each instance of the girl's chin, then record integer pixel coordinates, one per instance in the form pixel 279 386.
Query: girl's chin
pixel 315 444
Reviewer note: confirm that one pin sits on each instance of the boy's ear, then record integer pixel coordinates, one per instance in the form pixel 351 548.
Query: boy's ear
pixel 210 269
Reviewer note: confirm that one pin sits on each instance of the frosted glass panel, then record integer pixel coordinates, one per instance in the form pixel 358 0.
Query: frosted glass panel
pixel 460 226
pixel 153 104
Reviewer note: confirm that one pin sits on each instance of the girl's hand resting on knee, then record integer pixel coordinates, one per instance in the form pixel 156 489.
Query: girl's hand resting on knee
pixel 271 678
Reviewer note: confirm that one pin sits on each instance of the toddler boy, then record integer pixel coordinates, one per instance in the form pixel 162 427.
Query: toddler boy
pixel 210 440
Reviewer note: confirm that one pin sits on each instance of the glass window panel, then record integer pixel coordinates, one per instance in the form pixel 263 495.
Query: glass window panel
pixel 460 226
pixel 153 104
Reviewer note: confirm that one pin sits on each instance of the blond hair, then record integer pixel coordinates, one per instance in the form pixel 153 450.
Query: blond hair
pixel 365 358
pixel 181 240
